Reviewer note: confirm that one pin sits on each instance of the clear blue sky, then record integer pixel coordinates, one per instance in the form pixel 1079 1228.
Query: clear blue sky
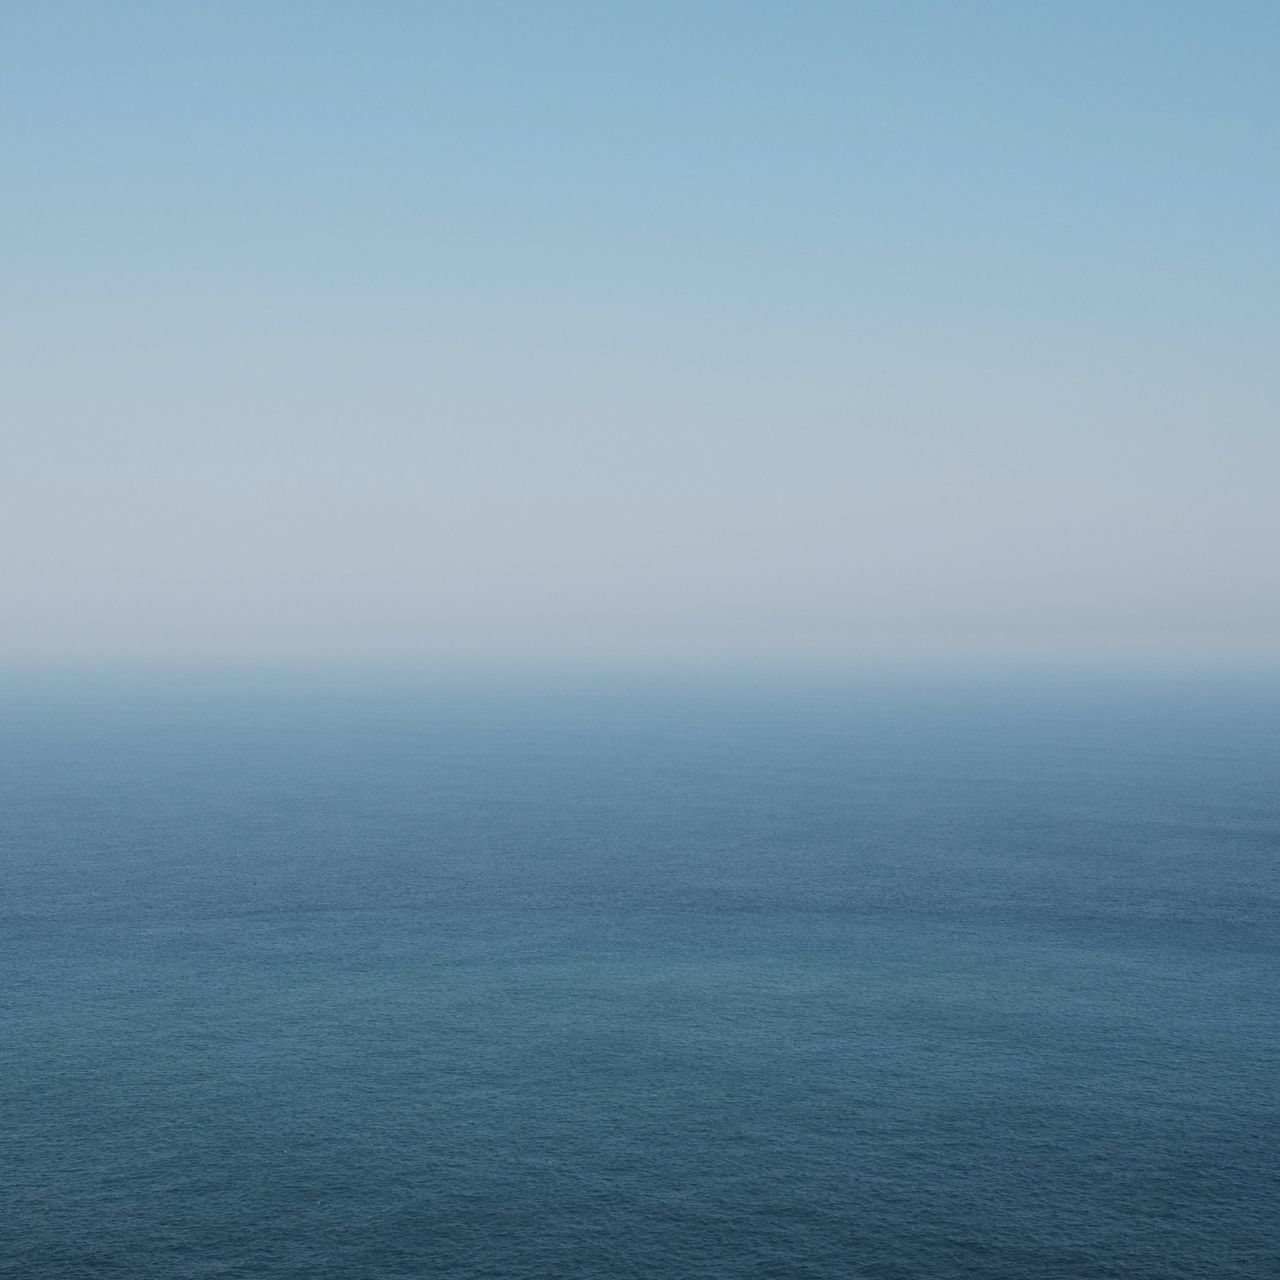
pixel 389 331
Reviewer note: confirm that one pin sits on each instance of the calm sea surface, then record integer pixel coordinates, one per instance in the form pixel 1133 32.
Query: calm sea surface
pixel 493 980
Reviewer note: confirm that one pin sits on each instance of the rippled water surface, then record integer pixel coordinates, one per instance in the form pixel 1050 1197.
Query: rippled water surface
pixel 658 980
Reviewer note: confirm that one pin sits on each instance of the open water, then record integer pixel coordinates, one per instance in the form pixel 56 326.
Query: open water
pixel 931 980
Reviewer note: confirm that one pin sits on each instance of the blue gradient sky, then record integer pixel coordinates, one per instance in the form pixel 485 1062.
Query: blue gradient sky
pixel 388 331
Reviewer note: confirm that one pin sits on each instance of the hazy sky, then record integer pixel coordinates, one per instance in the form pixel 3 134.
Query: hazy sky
pixel 390 330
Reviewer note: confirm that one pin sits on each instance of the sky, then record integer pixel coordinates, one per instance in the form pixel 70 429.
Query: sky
pixel 390 331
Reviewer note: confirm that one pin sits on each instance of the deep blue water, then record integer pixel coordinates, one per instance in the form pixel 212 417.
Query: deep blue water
pixel 669 980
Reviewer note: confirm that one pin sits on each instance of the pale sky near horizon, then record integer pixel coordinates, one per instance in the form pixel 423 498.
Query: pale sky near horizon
pixel 389 330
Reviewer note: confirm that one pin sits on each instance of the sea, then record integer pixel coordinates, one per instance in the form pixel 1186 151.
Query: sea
pixel 906 976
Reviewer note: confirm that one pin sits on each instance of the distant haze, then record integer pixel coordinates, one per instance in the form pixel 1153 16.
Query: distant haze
pixel 392 331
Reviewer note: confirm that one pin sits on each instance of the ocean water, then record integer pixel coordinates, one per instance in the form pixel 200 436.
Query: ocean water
pixel 653 979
